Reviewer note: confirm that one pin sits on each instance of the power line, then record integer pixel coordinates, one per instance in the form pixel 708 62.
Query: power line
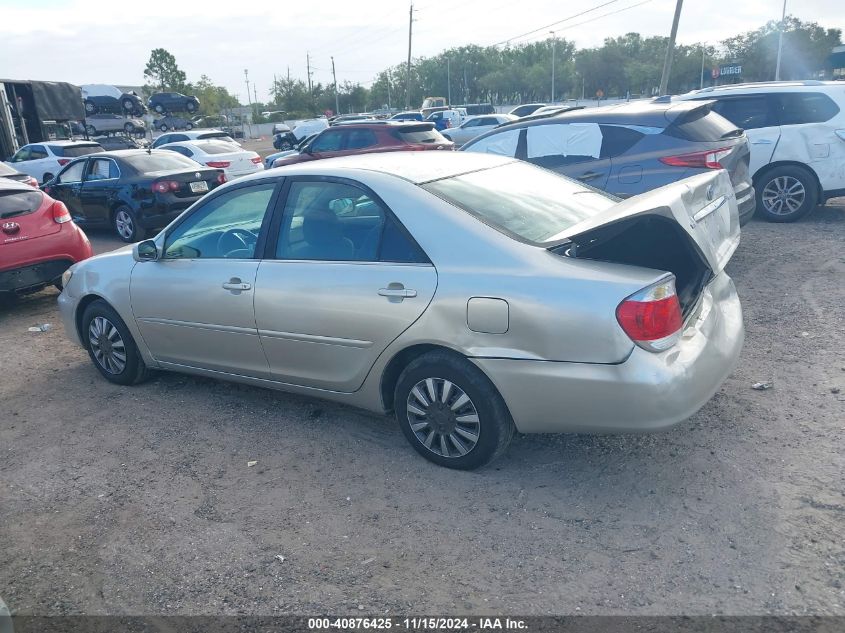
pixel 547 26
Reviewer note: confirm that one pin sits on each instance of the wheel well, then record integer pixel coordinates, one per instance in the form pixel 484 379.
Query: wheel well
pixel 391 373
pixel 788 163
pixel 80 310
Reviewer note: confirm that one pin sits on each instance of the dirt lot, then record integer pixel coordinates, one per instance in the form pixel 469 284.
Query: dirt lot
pixel 140 500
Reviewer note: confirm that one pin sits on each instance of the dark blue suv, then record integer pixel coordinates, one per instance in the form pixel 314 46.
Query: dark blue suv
pixel 173 102
pixel 630 148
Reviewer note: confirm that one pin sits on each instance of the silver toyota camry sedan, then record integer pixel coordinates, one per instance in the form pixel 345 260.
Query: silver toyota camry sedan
pixel 470 294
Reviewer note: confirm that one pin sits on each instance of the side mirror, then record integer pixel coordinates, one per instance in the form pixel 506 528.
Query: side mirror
pixel 145 251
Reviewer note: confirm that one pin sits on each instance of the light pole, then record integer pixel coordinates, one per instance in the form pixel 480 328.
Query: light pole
pixel 554 41
pixel 780 42
pixel 670 50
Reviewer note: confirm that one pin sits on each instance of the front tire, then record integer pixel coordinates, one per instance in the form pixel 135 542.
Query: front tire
pixel 129 128
pixel 125 224
pixel 90 130
pixel 90 108
pixel 110 345
pixel 786 194
pixel 47 177
pixel 189 126
pixel 163 128
pixel 158 108
pixel 450 412
pixel 128 106
pixel 191 106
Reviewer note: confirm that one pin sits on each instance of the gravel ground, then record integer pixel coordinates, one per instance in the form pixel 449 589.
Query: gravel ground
pixel 141 501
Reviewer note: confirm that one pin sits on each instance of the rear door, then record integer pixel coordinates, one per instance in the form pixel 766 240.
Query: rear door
pixel 341 279
pixel 571 149
pixel 754 114
pixel 68 188
pixel 98 188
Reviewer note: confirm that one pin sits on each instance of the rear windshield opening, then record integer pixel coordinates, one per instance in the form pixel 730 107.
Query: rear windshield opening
pixel 149 163
pixel 525 202
pixel 216 148
pixel 422 134
pixel 218 135
pixel 701 125
pixel 72 151
pixel 14 203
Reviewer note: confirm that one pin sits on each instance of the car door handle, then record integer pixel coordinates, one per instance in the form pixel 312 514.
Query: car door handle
pixel 401 293
pixel 762 141
pixel 590 175
pixel 236 285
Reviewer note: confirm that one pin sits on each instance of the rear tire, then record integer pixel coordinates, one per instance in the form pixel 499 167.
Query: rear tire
pixel 129 128
pixel 110 345
pixel 450 412
pixel 191 106
pixel 128 106
pixel 90 108
pixel 125 225
pixel 189 126
pixel 786 194
pixel 90 130
pixel 158 108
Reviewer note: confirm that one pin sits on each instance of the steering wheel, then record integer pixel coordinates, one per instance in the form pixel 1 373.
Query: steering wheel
pixel 242 239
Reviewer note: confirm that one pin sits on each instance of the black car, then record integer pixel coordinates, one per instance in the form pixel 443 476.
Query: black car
pixel 111 143
pixel 132 191
pixel 172 123
pixel 126 103
pixel 630 148
pixel 9 173
pixel 173 102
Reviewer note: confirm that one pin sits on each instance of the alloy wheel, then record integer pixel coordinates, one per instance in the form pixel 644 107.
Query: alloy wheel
pixel 783 195
pixel 107 345
pixel 124 224
pixel 443 417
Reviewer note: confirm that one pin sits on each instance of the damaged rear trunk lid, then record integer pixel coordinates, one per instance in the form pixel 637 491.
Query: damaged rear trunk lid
pixel 689 228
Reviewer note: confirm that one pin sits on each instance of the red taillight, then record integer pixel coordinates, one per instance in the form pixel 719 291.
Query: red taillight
pixel 652 317
pixel 221 178
pixel 165 186
pixel 60 213
pixel 63 161
pixel 256 160
pixel 707 159
pixel 218 164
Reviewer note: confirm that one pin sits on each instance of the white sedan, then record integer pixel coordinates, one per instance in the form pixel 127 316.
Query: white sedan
pixel 475 126
pixel 232 159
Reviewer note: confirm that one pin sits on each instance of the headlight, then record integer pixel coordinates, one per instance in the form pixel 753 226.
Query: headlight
pixel 66 277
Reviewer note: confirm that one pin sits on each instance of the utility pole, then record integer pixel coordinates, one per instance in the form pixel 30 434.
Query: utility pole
pixel 554 41
pixel 388 90
pixel 336 101
pixel 248 97
pixel 780 42
pixel 408 81
pixel 308 66
pixel 701 85
pixel 448 84
pixel 670 51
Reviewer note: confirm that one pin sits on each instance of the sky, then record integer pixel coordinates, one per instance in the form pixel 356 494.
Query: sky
pixel 103 41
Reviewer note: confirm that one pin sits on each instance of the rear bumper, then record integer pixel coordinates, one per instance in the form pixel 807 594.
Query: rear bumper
pixel 647 392
pixel 33 275
pixel 746 202
pixel 163 211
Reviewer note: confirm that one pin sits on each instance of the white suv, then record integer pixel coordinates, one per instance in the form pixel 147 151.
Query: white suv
pixel 42 161
pixel 797 135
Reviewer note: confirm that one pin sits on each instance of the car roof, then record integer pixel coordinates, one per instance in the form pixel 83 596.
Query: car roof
pixel 64 143
pixel 765 86
pixel 381 123
pixel 415 167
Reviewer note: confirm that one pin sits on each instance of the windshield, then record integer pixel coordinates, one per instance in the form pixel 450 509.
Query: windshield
pixel 523 201
pixel 149 163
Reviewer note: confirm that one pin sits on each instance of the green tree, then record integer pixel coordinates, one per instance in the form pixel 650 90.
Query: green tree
pixel 163 74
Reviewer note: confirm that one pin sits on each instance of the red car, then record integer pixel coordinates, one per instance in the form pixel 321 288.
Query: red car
pixel 38 239
pixel 370 137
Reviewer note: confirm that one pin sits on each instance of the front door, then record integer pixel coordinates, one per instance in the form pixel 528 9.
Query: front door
pixel 68 189
pixel 341 280
pixel 194 306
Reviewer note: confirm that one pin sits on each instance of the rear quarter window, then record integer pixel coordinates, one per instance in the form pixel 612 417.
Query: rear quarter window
pixel 804 107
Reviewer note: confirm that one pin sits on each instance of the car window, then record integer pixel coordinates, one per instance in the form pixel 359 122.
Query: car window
pixel 522 201
pixel 72 173
pixel 159 161
pixel 102 169
pixel 748 113
pixel 471 123
pixel 37 152
pixel 328 142
pixel 616 140
pixel 21 155
pixel 331 221
pixel 15 202
pixel 502 144
pixel 804 107
pixel 558 144
pixel 227 226
pixel 73 151
pixel 359 139
pixel 179 150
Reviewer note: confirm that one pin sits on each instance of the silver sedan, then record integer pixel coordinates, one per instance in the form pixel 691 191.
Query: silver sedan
pixel 471 295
